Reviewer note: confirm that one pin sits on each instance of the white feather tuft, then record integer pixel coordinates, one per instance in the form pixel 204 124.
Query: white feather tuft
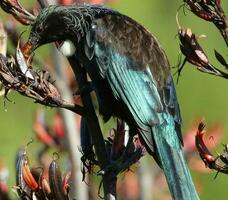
pixel 67 48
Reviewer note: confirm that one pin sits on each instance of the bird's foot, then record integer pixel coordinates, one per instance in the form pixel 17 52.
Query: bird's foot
pixel 123 163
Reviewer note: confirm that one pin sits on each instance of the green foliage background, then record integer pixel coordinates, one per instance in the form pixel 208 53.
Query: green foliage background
pixel 200 95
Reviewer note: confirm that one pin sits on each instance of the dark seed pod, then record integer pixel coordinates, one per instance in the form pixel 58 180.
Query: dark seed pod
pixel 21 63
pixel 45 189
pixel 22 188
pixel 224 159
pixel 55 180
pixel 198 11
pixel 221 59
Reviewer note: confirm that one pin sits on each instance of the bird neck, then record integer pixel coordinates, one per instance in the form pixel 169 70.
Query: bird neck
pixel 79 19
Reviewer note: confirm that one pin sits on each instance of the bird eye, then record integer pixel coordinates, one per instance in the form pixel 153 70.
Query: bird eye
pixel 39 29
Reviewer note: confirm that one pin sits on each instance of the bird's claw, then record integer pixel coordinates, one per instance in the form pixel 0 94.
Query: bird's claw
pixel 121 164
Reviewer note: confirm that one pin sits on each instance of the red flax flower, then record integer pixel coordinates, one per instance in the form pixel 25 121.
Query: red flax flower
pixel 215 134
pixel 218 163
pixel 40 130
pixel 204 152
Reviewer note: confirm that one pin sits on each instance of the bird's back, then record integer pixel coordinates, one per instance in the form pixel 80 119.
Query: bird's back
pixel 127 64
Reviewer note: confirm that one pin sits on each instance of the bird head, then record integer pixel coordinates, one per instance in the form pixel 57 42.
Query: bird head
pixel 51 25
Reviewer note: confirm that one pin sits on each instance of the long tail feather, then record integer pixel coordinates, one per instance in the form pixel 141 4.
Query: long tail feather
pixel 173 162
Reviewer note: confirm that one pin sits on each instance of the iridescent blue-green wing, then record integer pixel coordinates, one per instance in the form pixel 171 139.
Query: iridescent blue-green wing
pixel 136 68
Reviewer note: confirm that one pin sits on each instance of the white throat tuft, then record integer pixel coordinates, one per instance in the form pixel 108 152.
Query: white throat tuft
pixel 67 48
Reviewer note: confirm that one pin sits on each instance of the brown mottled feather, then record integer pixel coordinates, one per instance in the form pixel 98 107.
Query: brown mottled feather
pixel 131 39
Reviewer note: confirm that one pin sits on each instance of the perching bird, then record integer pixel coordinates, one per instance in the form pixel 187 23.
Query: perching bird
pixel 131 76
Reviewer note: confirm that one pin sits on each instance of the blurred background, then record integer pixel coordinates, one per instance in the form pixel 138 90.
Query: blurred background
pixel 200 96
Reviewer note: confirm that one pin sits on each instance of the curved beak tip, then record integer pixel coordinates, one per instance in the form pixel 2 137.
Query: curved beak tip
pixel 27 49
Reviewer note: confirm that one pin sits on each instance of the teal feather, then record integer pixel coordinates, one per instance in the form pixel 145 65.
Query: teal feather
pixel 172 160
pixel 134 87
pixel 154 121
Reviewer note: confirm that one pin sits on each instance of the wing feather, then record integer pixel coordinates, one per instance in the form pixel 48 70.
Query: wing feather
pixel 137 70
pixel 136 88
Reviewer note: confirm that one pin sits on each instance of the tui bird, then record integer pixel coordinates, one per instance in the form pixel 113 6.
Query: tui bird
pixel 131 76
